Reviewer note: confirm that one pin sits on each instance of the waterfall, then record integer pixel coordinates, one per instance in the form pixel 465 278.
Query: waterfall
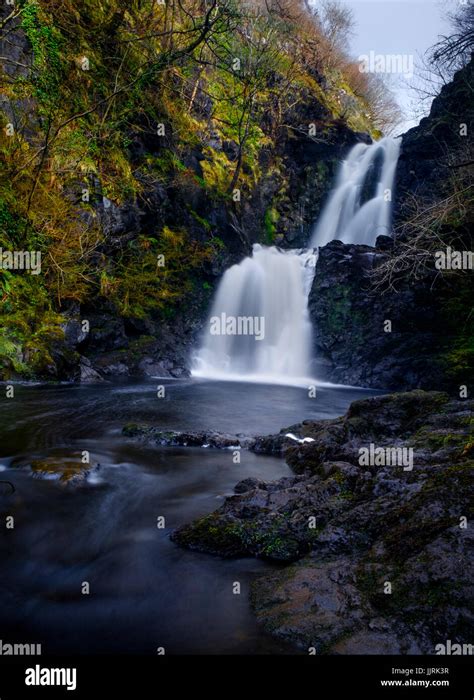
pixel 266 292
pixel 358 209
pixel 259 327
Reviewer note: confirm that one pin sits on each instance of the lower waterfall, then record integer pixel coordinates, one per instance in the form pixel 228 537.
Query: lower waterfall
pixel 259 327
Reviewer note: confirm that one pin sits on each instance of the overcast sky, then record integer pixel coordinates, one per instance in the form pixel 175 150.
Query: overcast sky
pixel 406 27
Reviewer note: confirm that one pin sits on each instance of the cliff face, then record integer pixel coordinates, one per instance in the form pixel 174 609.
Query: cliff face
pixel 297 174
pixel 430 340
pixel 350 323
pixel 435 150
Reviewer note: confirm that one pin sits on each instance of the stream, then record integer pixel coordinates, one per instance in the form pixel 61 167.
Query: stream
pixel 144 591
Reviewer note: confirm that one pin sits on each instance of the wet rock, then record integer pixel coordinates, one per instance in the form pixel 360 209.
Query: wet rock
pixel 74 334
pixel 348 315
pixel 249 485
pixel 271 444
pixel 67 471
pixel 430 148
pixel 115 369
pixel 353 529
pixel 185 439
pixel 155 369
pixel 219 536
pixel 270 520
pixel 310 605
pixel 231 149
pixel 88 374
pixel 118 220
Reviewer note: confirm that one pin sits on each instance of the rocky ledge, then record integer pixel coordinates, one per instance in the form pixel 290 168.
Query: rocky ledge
pixel 175 438
pixel 374 527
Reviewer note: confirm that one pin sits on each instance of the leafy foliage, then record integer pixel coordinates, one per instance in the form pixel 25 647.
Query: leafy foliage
pixel 107 100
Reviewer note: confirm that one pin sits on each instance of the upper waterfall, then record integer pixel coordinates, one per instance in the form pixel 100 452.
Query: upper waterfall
pixel 358 209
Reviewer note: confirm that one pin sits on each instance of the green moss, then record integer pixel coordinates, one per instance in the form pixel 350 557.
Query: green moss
pixel 457 476
pixel 272 539
pixel 11 363
pixel 459 360
pixel 212 534
pixel 270 221
pixel 219 534
pixel 131 429
pixel 436 440
pixel 201 220
pixel 217 171
pixel 46 43
pixel 342 314
pixel 411 605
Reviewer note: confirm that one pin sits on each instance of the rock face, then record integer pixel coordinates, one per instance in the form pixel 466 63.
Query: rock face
pixel 88 374
pixel 382 549
pixel 349 316
pixel 130 347
pixel 430 150
pixel 296 178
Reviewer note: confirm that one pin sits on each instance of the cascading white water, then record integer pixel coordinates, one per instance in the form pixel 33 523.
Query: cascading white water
pixel 272 285
pixel 269 291
pixel 349 216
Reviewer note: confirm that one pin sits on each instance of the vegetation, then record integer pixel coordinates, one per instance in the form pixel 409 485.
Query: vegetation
pixel 104 103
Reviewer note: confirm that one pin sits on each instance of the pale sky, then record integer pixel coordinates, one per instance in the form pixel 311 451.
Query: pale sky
pixel 406 27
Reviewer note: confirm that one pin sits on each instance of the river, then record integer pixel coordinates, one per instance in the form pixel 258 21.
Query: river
pixel 144 591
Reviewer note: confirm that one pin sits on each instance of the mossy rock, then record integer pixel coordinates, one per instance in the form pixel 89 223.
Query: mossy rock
pixel 133 430
pixel 66 471
pixel 227 536
pixel 394 413
pixel 213 534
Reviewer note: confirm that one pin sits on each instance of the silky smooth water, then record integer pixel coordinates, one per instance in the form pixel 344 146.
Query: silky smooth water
pixel 145 592
pixel 359 207
pixel 273 285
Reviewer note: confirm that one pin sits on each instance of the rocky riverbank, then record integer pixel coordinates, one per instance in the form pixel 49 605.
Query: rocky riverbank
pixel 379 548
